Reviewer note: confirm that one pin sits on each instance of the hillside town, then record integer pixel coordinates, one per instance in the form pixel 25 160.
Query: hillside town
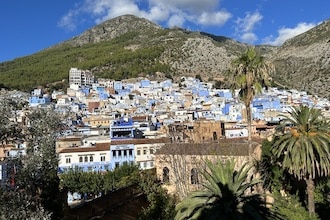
pixel 110 123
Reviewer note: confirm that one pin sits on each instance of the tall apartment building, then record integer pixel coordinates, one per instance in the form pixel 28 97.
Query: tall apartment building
pixel 80 77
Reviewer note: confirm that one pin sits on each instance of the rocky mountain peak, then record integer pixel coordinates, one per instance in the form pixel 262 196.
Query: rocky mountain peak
pixel 113 28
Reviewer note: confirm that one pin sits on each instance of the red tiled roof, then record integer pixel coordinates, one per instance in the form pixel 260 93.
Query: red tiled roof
pixel 68 139
pixel 106 146
pixel 96 147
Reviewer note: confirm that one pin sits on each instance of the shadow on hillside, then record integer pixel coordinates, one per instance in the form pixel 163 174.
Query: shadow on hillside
pixel 219 39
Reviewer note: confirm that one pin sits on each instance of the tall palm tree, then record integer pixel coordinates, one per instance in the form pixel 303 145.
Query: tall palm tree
pixel 303 149
pixel 224 196
pixel 249 73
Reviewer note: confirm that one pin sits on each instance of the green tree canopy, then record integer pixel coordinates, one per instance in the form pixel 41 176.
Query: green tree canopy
pixel 249 73
pixel 303 148
pixel 34 184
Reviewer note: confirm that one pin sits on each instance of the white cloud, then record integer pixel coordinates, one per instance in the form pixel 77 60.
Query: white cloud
pixel 215 18
pixel 158 13
pixel 249 37
pixel 175 21
pixel 68 21
pixel 245 27
pixel 287 33
pixel 172 12
pixel 106 9
pixel 193 6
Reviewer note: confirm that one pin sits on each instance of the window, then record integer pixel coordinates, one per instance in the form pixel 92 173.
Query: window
pixel 117 164
pixel 119 153
pixel 80 159
pixel 91 159
pixel 166 175
pixel 194 176
pixel 151 164
pixel 144 151
pixel 215 136
pixel 144 164
pixel 86 159
pixel 106 167
pixel 114 153
pixel 151 151
pixel 138 152
pixel 68 160
pixel 102 158
pixel 125 153
pixel 130 152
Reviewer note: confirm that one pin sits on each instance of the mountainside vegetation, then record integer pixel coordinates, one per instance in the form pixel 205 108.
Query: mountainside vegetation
pixel 128 47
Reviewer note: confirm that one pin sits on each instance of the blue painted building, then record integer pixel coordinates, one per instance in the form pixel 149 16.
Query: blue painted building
pixel 103 95
pixel 39 100
pixel 145 83
pixel 262 104
pixel 121 153
pixel 166 84
pixel 122 129
pixel 85 90
pixel 225 94
pixel 117 85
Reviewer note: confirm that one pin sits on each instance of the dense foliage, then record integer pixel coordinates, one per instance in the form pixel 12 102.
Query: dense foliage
pixel 53 65
pixel 303 132
pixel 303 149
pixel 161 205
pixel 32 189
pixel 94 183
pixel 224 196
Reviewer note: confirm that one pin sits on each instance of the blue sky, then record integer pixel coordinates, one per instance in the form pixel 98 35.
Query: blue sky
pixel 30 26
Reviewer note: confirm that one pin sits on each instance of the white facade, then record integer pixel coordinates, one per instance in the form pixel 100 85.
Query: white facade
pixel 80 77
pixel 236 133
pixel 69 159
pixel 95 158
pixel 144 155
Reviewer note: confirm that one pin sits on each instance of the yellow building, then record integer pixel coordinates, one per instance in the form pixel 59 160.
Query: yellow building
pixel 179 165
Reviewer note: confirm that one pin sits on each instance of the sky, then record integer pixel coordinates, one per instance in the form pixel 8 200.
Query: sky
pixel 27 27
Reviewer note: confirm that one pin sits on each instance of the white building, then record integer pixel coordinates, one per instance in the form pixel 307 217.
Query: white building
pixel 93 158
pixel 80 77
pixel 145 150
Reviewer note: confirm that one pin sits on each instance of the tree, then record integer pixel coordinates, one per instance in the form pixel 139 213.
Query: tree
pixel 35 189
pixel 10 130
pixel 290 208
pixel 198 76
pixel 76 180
pixel 322 197
pixel 249 73
pixel 161 205
pixel 303 148
pixel 224 196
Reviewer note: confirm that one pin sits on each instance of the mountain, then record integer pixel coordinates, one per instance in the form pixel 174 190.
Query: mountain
pixel 128 46
pixel 303 62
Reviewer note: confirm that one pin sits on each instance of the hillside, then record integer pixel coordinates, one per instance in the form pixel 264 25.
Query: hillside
pixel 128 46
pixel 303 62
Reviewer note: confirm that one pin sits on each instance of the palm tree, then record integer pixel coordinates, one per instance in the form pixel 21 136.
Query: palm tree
pixel 303 149
pixel 249 73
pixel 224 196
